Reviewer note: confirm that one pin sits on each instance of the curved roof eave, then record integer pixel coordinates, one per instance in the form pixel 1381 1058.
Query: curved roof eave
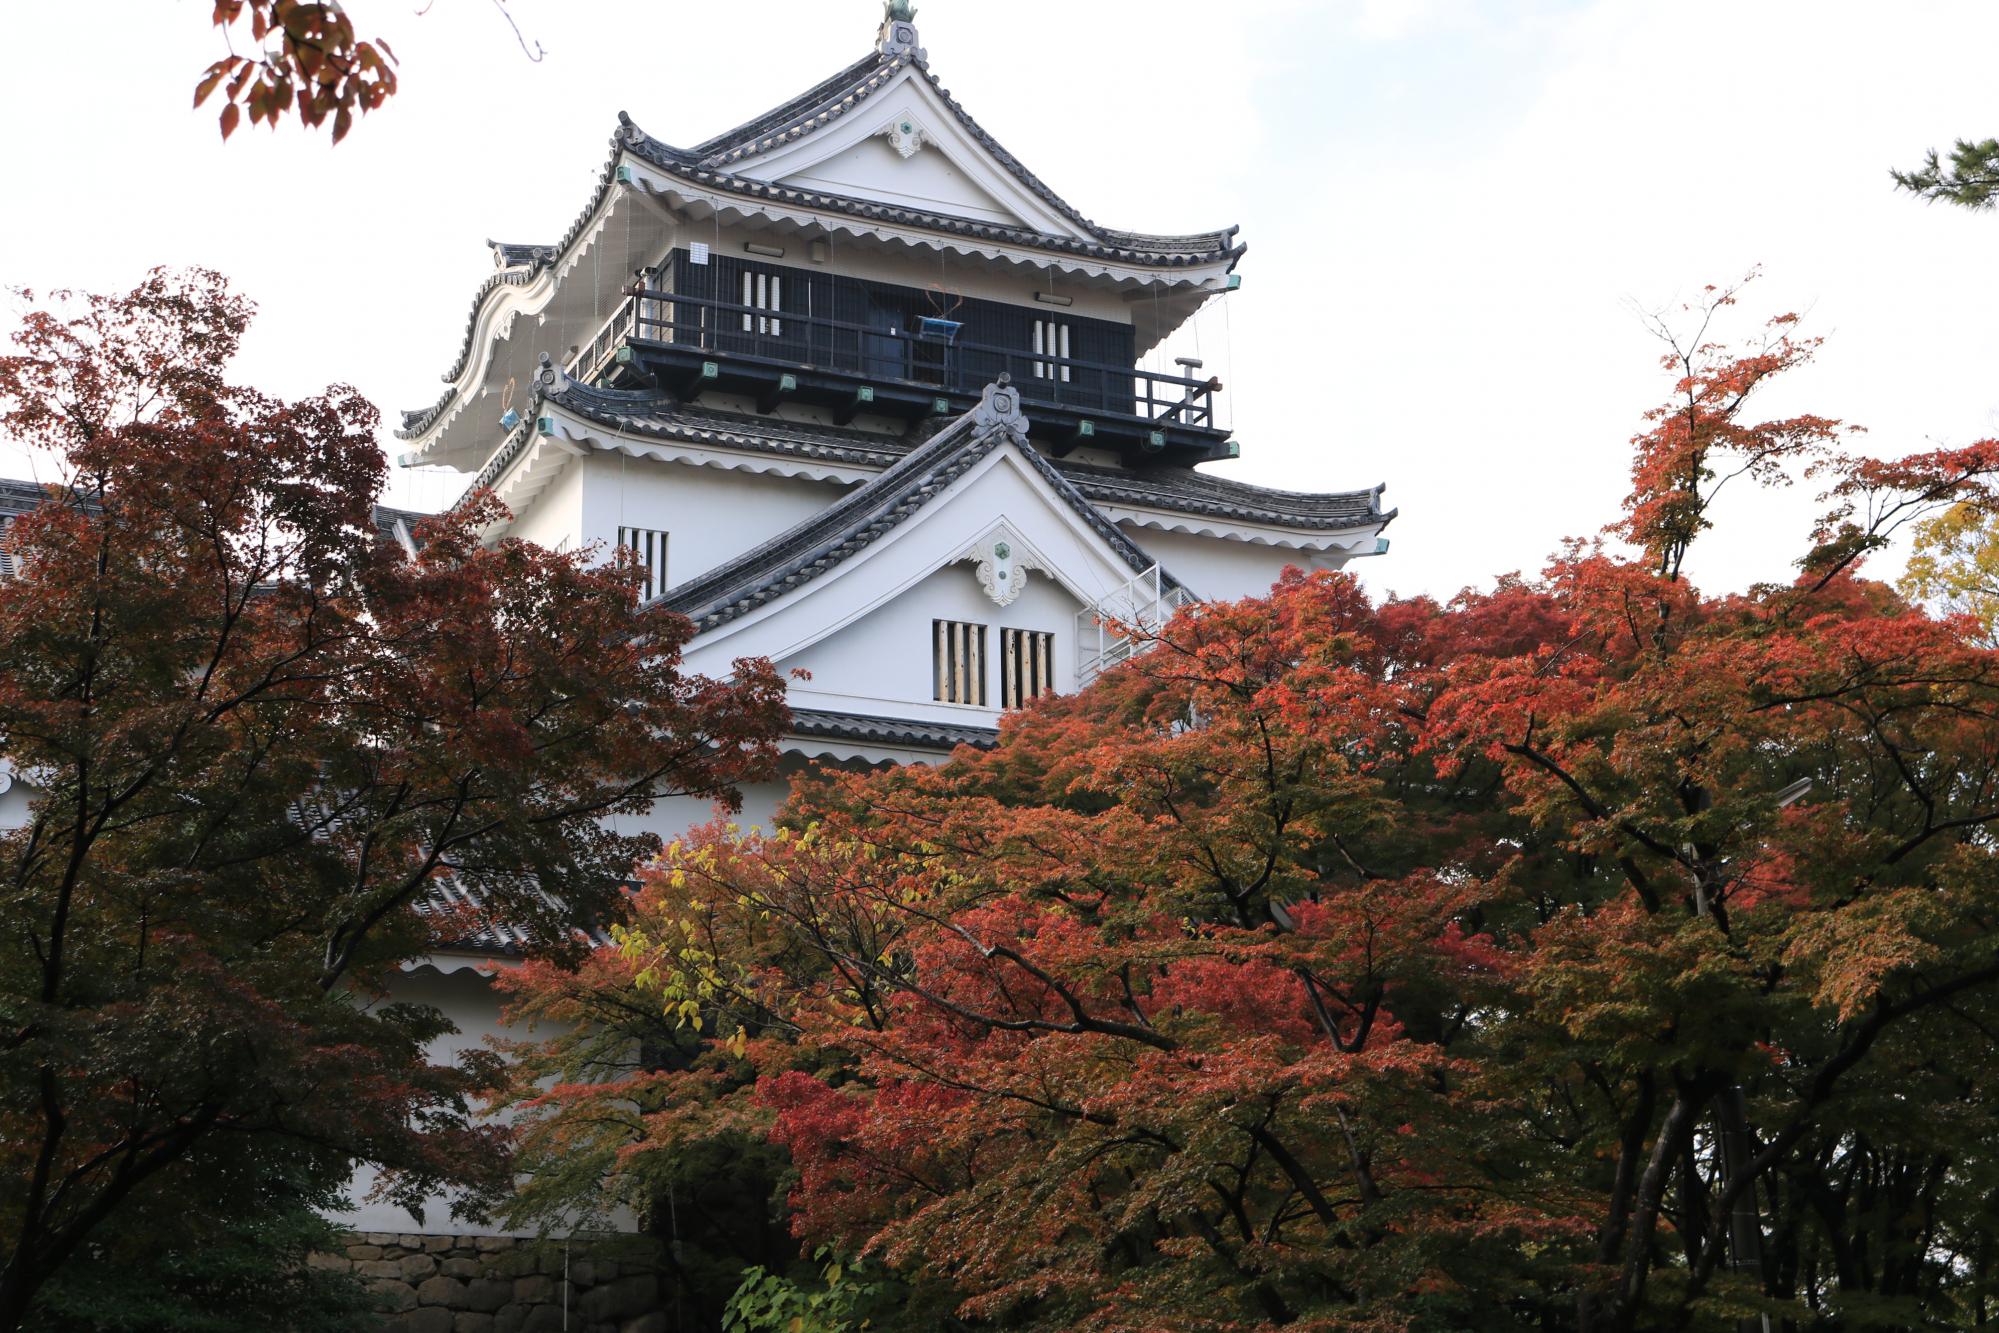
pixel 522 264
pixel 653 415
pixel 845 91
pixel 872 510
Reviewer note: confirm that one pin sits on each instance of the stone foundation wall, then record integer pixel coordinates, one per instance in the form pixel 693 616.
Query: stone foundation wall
pixel 495 1284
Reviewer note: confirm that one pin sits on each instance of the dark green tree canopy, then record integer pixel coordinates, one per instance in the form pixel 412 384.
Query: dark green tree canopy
pixel 1971 180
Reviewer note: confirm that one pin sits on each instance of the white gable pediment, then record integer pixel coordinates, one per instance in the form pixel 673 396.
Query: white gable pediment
pixel 905 146
pixel 876 170
pixel 939 564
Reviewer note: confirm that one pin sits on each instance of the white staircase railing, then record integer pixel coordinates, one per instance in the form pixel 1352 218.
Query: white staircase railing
pixel 594 358
pixel 1122 623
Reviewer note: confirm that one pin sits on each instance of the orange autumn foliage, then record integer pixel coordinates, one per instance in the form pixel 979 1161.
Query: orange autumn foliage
pixel 1347 966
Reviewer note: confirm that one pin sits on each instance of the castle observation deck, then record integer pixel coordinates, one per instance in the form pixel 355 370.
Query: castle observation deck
pixel 864 254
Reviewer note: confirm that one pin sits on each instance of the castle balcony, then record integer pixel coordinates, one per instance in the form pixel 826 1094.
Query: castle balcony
pixel 917 367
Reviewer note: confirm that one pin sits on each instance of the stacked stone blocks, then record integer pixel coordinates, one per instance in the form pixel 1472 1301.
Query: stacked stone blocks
pixel 497 1284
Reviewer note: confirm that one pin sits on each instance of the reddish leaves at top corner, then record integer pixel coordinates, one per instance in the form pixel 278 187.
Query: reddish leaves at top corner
pixel 309 62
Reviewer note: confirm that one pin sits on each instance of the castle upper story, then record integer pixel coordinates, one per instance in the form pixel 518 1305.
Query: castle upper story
pixel 864 396
pixel 864 254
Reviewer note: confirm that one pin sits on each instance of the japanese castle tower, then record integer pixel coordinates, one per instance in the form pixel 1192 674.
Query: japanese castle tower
pixel 865 397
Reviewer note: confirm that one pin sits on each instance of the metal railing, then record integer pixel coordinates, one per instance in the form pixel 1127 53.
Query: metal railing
pixel 916 357
pixel 1124 622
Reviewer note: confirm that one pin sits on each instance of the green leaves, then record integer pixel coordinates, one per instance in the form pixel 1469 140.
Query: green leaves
pixel 837 1302
pixel 1970 181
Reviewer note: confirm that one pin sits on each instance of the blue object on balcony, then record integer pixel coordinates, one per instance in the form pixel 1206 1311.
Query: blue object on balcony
pixel 510 420
pixel 934 330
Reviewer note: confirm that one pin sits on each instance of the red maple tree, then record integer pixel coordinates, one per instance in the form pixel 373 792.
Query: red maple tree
pixel 1589 953
pixel 255 734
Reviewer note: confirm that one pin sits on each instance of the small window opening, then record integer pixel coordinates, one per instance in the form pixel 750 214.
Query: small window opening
pixel 649 545
pixel 1051 338
pixel 765 291
pixel 958 659
pixel 1027 665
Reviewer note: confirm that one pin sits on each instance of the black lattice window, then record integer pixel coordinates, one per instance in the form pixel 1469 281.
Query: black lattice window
pixel 649 545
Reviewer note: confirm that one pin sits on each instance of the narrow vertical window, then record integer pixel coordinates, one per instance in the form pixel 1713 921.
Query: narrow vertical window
pixel 1051 338
pixel 649 545
pixel 765 291
pixel 958 661
pixel 1027 665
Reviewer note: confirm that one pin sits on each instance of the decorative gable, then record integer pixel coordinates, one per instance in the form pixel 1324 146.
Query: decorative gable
pixel 946 537
pixel 908 145
pixel 908 168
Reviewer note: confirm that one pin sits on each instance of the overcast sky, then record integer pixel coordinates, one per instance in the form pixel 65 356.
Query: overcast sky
pixel 1455 211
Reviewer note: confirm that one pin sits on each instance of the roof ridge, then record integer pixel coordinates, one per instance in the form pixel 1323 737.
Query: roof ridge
pixel 702 165
pixel 650 413
pixel 788 117
pixel 1165 251
pixel 879 729
pixel 808 549
pixel 828 537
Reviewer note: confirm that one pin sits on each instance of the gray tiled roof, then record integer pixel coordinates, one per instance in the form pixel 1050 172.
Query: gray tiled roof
pixel 708 165
pixel 829 91
pixel 1185 491
pixel 418 420
pixel 659 415
pixel 868 513
pixel 866 727
pixel 843 92
pixel 18 497
pixel 451 897
pixel 1197 250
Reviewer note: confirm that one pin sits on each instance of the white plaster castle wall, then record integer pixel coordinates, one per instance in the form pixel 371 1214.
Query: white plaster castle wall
pixel 884 669
pixel 882 663
pixel 1223 571
pixel 471 1002
pixel 708 514
pixel 671 816
pixel 554 518
pixel 927 180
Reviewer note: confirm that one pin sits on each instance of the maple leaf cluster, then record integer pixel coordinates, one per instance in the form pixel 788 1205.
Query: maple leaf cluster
pixel 1586 953
pixel 254 735
pixel 309 60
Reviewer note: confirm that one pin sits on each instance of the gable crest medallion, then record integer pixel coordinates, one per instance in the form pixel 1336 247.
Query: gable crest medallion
pixel 904 135
pixel 1002 565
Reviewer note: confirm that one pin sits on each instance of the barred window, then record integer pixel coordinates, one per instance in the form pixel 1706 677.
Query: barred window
pixel 1051 338
pixel 1027 665
pixel 958 657
pixel 765 291
pixel 649 545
